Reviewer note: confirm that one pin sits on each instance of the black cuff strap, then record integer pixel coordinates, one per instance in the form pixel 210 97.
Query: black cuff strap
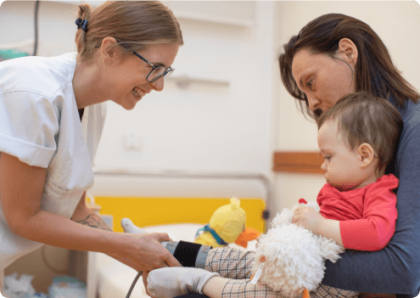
pixel 186 253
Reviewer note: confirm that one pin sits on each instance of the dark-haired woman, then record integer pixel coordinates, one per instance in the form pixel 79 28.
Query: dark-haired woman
pixel 52 113
pixel 332 56
pixel 336 54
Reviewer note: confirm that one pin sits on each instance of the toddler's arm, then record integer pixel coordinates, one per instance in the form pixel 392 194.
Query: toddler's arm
pixel 371 232
pixel 315 222
pixel 376 228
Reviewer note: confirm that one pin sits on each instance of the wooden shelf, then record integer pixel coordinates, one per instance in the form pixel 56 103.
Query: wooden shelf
pixel 298 162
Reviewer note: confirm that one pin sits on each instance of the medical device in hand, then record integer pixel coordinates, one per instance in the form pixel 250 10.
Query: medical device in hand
pixel 187 253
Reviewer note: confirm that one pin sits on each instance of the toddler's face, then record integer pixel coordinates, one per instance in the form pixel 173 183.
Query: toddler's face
pixel 341 164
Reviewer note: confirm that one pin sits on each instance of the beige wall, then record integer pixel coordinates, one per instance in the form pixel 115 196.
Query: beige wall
pixel 397 23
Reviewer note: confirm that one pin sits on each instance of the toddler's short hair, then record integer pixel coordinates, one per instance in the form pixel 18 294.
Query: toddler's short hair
pixel 364 118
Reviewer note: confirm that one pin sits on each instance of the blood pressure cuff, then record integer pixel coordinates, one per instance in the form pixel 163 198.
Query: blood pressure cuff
pixel 189 254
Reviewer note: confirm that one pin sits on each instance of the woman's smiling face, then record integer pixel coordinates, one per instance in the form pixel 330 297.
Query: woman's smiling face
pixel 127 79
pixel 322 78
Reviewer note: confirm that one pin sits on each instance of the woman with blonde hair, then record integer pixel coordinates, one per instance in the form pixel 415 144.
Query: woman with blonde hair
pixel 52 113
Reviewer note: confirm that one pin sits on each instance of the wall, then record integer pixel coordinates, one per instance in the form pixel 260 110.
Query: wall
pixel 397 23
pixel 56 26
pixel 204 127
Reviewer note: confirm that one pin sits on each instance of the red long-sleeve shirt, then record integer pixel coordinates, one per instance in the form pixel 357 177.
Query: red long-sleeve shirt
pixel 367 215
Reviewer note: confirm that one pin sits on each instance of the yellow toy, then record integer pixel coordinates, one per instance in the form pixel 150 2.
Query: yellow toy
pixel 227 225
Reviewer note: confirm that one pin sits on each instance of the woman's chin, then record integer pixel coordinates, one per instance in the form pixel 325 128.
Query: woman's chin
pixel 130 106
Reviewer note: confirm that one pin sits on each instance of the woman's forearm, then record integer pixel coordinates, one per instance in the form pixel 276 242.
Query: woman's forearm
pixel 85 216
pixel 94 221
pixel 52 229
pixel 22 187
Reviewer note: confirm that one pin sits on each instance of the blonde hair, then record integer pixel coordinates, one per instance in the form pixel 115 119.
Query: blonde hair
pixel 134 24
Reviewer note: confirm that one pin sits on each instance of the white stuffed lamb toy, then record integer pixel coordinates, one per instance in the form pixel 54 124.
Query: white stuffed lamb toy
pixel 291 259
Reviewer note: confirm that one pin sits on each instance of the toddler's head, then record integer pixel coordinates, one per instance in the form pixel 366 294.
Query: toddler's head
pixel 357 138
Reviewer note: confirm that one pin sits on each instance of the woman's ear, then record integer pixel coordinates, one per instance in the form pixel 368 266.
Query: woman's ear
pixel 349 50
pixel 366 154
pixel 109 50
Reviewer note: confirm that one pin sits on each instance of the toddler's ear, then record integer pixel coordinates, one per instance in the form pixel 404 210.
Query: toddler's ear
pixel 366 154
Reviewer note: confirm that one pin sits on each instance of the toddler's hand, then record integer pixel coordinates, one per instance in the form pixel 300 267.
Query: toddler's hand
pixel 308 218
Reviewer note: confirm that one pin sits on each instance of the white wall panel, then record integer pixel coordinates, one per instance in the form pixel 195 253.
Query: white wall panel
pixel 205 127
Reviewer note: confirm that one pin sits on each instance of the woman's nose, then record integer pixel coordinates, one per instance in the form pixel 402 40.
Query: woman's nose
pixel 313 103
pixel 158 85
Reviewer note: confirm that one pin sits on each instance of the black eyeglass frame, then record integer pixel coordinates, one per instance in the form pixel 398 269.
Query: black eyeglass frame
pixel 167 71
pixel 164 74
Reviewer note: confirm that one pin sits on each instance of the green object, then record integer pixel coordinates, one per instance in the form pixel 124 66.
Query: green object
pixel 11 54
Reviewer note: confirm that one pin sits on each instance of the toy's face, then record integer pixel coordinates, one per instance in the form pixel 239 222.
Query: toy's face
pixel 229 221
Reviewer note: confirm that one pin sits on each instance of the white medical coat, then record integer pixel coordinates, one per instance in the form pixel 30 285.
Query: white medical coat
pixel 40 125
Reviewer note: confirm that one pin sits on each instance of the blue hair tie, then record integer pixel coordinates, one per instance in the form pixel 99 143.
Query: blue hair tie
pixel 82 24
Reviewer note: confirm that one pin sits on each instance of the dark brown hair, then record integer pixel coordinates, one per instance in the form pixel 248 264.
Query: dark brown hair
pixel 365 118
pixel 374 71
pixel 134 24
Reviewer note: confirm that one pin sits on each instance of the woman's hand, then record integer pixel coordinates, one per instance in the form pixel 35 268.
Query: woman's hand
pixel 143 252
pixel 168 260
pixel 308 218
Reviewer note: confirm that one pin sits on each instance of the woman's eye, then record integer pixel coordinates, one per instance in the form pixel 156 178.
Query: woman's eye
pixel 327 157
pixel 309 84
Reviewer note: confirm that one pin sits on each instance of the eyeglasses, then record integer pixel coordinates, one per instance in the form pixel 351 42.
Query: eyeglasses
pixel 157 72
